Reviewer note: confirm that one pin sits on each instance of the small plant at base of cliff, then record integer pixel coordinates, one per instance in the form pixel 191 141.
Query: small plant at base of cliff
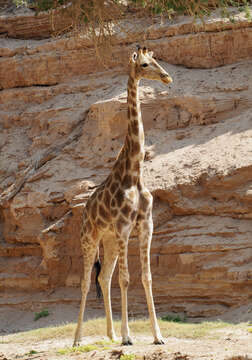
pixel 173 318
pixel 32 352
pixel 43 313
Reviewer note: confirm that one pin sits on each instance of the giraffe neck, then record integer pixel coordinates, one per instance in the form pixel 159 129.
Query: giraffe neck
pixel 134 142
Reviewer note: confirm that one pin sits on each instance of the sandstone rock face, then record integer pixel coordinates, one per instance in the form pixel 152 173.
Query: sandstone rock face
pixel 63 120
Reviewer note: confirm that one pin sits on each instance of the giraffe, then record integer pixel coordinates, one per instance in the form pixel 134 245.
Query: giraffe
pixel 118 205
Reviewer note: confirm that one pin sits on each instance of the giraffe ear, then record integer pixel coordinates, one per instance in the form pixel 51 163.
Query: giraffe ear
pixel 134 57
pixel 150 53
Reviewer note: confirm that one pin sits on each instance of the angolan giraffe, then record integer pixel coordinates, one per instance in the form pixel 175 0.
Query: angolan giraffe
pixel 118 205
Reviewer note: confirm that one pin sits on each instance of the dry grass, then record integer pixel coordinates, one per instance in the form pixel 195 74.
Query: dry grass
pixel 97 327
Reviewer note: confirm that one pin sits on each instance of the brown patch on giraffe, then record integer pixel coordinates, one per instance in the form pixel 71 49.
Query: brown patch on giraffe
pixel 133 215
pixel 133 112
pixel 104 213
pixel 128 164
pixel 121 244
pixel 119 196
pixel 106 198
pixel 128 113
pixel 133 102
pixel 126 210
pixel 117 175
pixel 113 203
pixel 99 196
pixel 121 167
pixel 114 212
pixel 114 186
pixel 94 210
pixel 127 181
pixel 133 93
pixel 135 127
pixel 135 148
pixel 130 82
pixel 136 166
pixel 127 142
pixel 124 282
pixel 101 223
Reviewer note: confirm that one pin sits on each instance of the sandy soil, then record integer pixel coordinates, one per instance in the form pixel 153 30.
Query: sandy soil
pixel 230 345
pixel 226 343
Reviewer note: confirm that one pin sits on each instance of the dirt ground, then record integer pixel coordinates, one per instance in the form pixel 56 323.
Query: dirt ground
pixel 230 345
pixel 229 342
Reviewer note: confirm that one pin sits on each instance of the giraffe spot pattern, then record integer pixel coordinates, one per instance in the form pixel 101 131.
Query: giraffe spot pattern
pixel 126 210
pixel 133 93
pixel 104 213
pixel 117 175
pixel 106 199
pixel 135 127
pixel 128 164
pixel 135 148
pixel 127 181
pixel 94 210
pixel 133 215
pixel 119 196
pixel 134 103
pixel 101 223
pixel 114 186
pixel 121 167
pixel 133 110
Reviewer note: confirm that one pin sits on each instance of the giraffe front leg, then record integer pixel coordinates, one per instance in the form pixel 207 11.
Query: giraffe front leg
pixel 145 230
pixel 124 283
pixel 88 262
pixel 105 277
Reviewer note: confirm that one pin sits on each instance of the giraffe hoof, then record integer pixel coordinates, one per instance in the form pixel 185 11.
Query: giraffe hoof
pixel 127 342
pixel 159 342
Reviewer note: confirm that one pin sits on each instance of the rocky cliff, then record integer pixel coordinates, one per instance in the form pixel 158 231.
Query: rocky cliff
pixel 63 121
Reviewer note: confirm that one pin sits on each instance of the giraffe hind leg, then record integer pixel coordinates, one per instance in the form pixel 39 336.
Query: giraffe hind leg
pixel 145 229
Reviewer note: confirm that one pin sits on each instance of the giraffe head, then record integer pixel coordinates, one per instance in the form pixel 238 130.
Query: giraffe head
pixel 144 66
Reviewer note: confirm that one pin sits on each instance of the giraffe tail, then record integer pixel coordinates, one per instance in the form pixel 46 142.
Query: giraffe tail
pixel 97 266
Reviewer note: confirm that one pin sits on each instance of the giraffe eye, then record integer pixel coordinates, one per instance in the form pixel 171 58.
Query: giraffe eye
pixel 144 65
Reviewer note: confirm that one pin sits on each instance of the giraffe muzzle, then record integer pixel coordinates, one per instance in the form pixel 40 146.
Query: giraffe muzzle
pixel 166 79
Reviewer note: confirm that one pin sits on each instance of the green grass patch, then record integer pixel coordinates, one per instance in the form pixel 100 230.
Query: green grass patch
pixel 174 318
pixel 106 342
pixel 127 357
pixel 97 327
pixel 77 349
pixel 43 313
pixel 32 352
